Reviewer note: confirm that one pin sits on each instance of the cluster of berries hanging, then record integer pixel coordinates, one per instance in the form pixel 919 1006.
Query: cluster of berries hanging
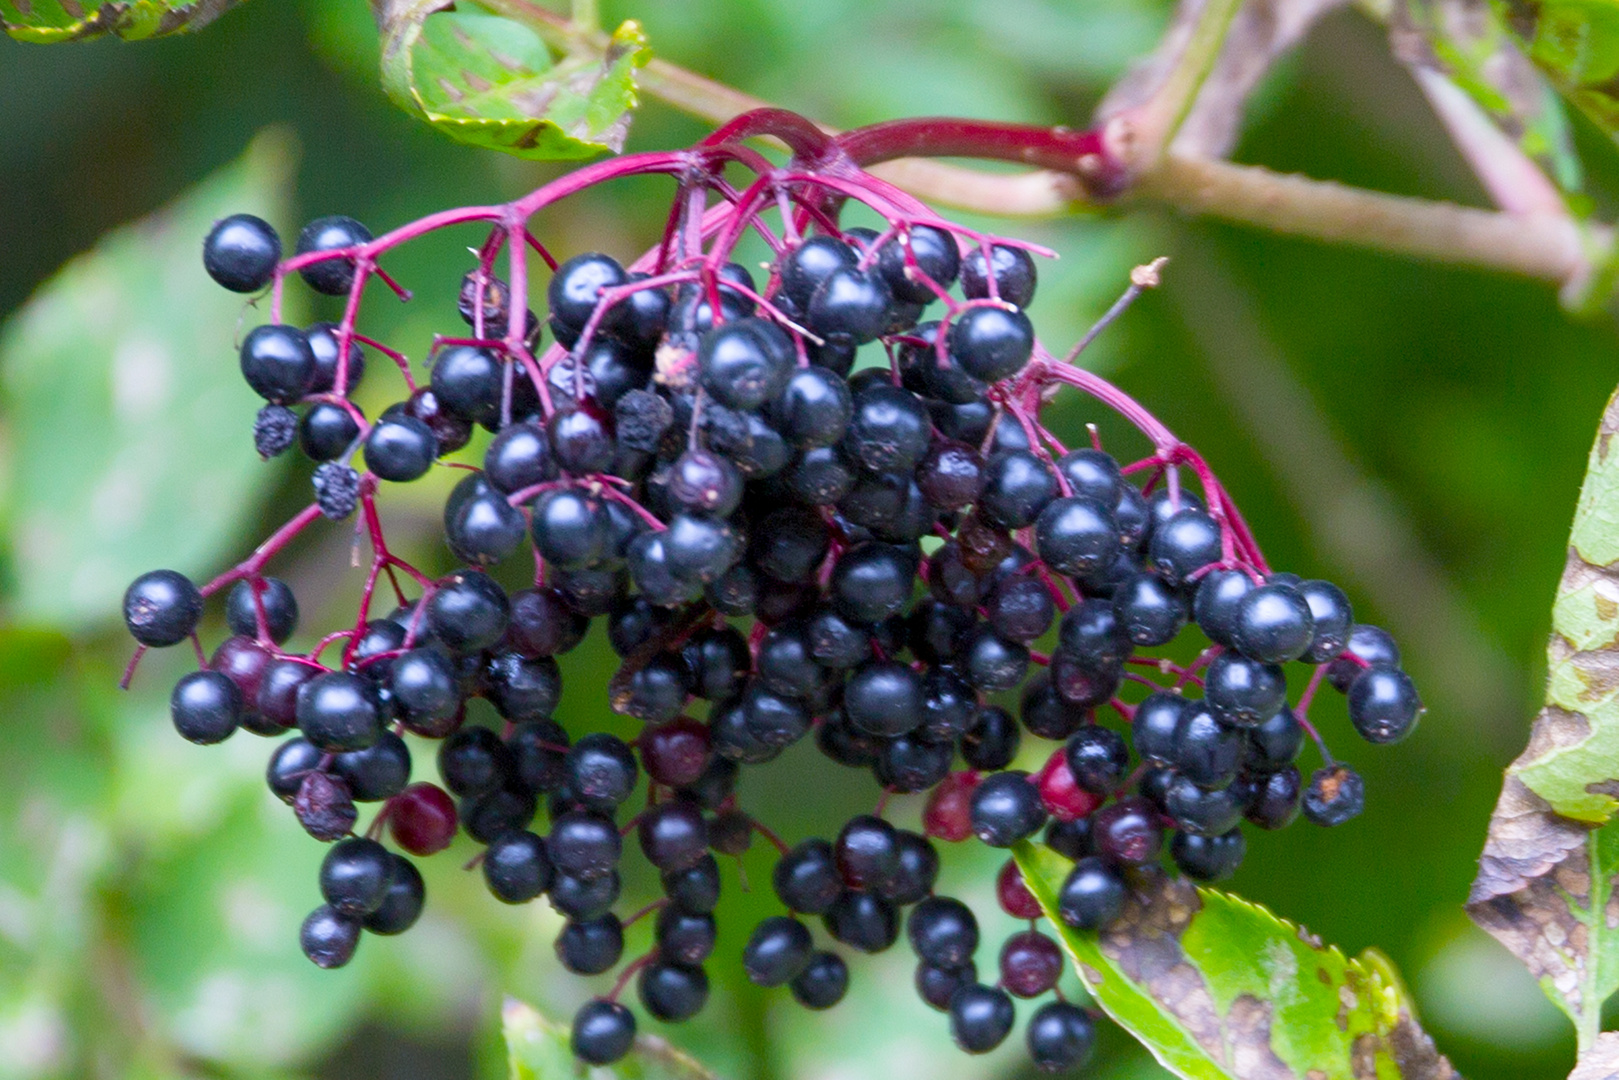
pixel 784 543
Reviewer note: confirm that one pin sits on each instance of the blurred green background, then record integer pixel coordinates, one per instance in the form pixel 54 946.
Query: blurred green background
pixel 1416 433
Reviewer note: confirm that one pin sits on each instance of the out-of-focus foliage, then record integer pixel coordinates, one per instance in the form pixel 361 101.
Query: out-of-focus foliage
pixel 150 890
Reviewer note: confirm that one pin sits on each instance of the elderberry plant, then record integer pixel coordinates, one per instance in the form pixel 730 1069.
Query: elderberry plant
pixel 784 543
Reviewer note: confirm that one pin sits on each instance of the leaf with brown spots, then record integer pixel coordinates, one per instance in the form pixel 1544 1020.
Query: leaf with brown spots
pixel 48 21
pixel 490 81
pixel 1545 885
pixel 1221 989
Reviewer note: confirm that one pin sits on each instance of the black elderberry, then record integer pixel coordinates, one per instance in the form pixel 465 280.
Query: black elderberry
pixel 1187 541
pixel 1383 705
pixel 991 743
pixel 918 870
pixel 1148 610
pixel 1091 633
pixel 990 662
pixel 823 983
pixel 1336 794
pixel 473 761
pixel 329 938
pixel 1271 800
pixel 276 599
pixel 867 852
pixel 1214 605
pixel 469 383
pixel 745 363
pixel 293 760
pixel 991 343
pixel 1205 811
pixel 862 920
pixel 338 712
pixel 603 1032
pixel 277 363
pixel 935 985
pixel 1098 758
pixel 1006 808
pixel 583 844
pixel 334 277
pixel 576 288
pixel 778 951
pixel 1204 749
pixel 672 992
pixel 1092 895
pixel 1275 743
pixel 673 836
pixel 378 772
pixel 402 905
pixel 885 698
pixel 354 876
pixel 1012 267
pixel 1331 619
pixel 888 430
pixel 980 1017
pixel 1070 839
pixel 1372 646
pixel 241 253
pixel 930 251
pixel 323 337
pixel 516 867
pixel 1060 1037
pixel 943 932
pixel 570 529
pixel 1076 535
pixel 1018 487
pixel 326 431
pixel 850 303
pixel 1273 624
pixel 581 900
pixel 486 816
pixel 1244 692
pixel 400 448
pixel 1208 858
pixel 206 707
pixel 162 608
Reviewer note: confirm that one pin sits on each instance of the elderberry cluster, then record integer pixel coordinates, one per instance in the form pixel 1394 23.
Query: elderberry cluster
pixel 782 545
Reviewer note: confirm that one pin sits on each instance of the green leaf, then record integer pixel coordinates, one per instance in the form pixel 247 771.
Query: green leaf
pixel 1546 880
pixel 537 1049
pixel 491 81
pixel 1218 988
pixel 1468 42
pixel 128 422
pixel 75 20
pixel 1576 43
pixel 1572 761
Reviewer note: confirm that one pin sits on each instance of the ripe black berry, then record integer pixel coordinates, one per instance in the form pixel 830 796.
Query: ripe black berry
pixel 333 277
pixel 823 983
pixel 378 772
pixel 672 992
pixel 338 711
pixel 206 707
pixel 1091 896
pixel 1273 624
pixel 1013 270
pixel 162 608
pixel 1336 794
pixel 516 867
pixel 1208 858
pixel 400 448
pixel 275 597
pixel 943 932
pixel 402 905
pixel 1006 808
pixel 354 876
pixel 991 343
pixel 1187 541
pixel 603 1032
pixel 241 253
pixel 1060 1037
pixel 329 938
pixel 778 951
pixel 1383 705
pixel 980 1017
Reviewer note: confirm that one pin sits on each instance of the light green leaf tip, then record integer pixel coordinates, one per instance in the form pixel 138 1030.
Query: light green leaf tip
pixel 129 427
pixel 1219 988
pixel 1573 763
pixel 49 21
pixel 491 81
